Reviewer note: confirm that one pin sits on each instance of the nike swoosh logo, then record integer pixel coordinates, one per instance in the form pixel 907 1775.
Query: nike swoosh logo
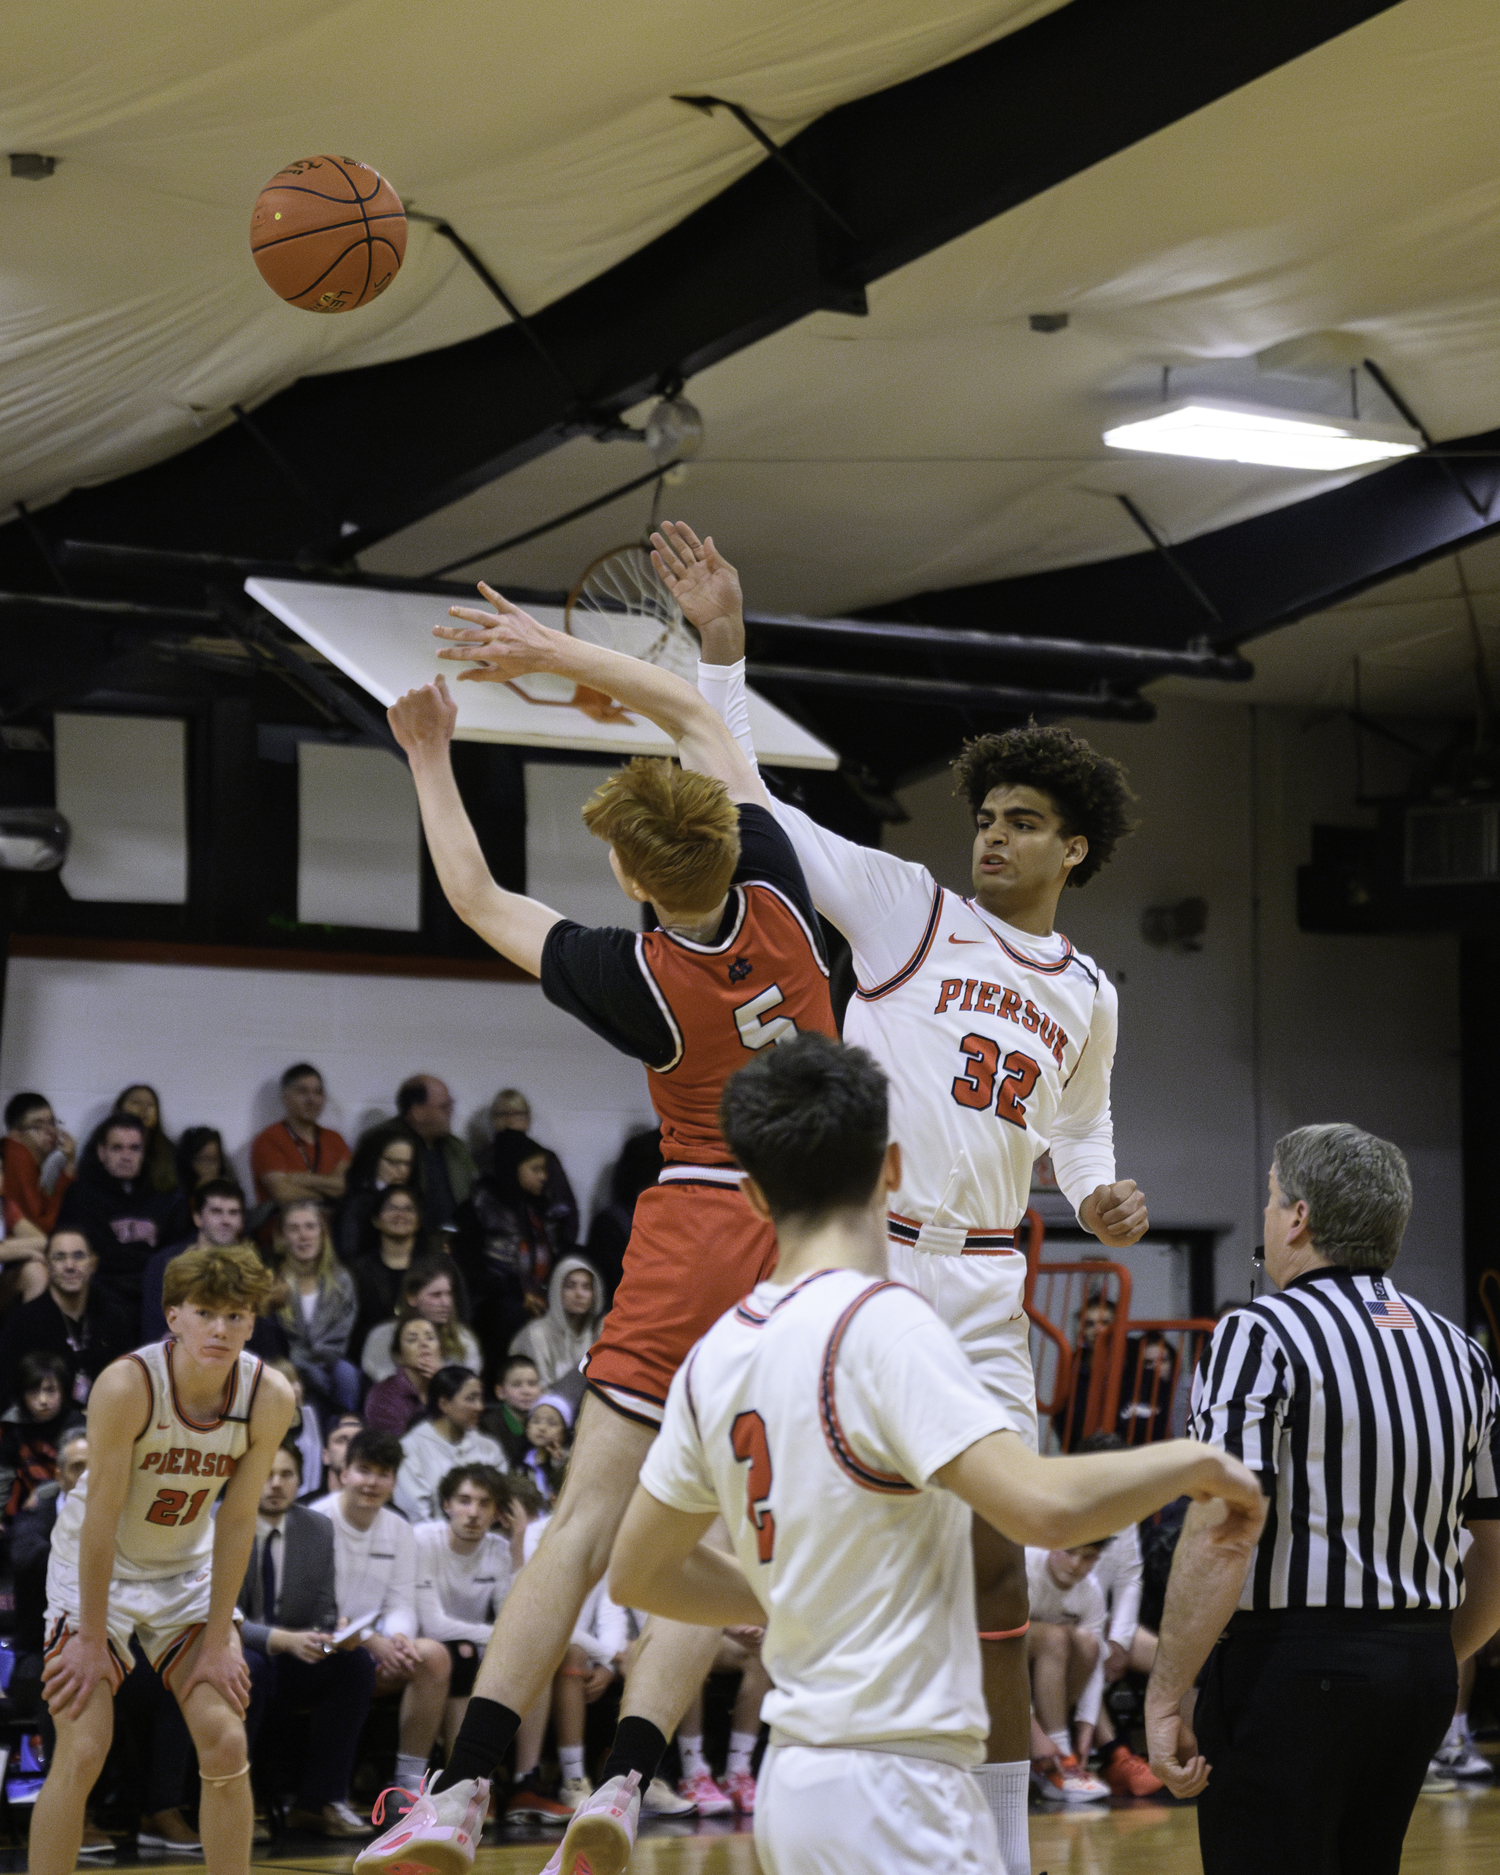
pixel 959 940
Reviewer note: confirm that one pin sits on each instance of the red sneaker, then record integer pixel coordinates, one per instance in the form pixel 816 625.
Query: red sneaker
pixel 1130 1776
pixel 741 1786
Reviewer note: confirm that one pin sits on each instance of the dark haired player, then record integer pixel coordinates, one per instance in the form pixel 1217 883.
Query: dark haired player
pixel 851 1547
pixel 998 1038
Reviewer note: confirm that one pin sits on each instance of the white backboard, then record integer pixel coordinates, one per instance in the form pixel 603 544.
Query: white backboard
pixel 383 640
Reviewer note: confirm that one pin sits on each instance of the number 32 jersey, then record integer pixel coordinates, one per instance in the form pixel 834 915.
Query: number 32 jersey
pixel 178 1468
pixel 813 1417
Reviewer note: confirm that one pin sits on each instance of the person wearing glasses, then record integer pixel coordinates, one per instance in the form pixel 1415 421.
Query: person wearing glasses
pixel 40 1159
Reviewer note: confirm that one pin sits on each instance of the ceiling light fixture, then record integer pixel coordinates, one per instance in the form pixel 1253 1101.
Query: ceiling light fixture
pixel 1220 430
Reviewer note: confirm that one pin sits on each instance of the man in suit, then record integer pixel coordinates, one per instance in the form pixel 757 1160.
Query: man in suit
pixel 291 1613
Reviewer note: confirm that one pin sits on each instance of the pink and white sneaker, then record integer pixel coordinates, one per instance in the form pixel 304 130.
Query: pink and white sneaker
pixel 438 1833
pixel 709 1795
pixel 602 1833
pixel 741 1787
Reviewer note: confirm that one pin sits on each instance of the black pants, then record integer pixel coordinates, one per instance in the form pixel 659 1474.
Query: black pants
pixel 1319 1725
pixel 336 1692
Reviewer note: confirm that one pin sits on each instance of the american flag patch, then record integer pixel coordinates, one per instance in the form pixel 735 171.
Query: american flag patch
pixel 1391 1314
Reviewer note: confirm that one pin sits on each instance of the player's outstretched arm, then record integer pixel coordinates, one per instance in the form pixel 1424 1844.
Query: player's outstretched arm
pixel 506 642
pixel 1057 1503
pixel 661 1564
pixel 219 1662
pixel 118 1406
pixel 515 926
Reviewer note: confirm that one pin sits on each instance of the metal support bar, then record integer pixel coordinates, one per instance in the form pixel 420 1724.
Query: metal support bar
pixel 107 611
pixel 560 520
pixel 1171 559
pixel 253 631
pixel 517 317
pixel 772 149
pixel 1140 663
pixel 43 546
pixel 953 695
pixel 1417 424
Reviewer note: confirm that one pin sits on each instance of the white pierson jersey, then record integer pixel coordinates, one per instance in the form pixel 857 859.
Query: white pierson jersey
pixel 179 1466
pixel 813 1417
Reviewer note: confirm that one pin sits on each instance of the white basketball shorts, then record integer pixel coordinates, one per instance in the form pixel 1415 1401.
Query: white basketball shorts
pixel 165 1612
pixel 979 1299
pixel 821 1811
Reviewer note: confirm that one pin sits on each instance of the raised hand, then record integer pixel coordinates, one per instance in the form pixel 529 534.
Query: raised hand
pixel 505 641
pixel 698 577
pixel 423 720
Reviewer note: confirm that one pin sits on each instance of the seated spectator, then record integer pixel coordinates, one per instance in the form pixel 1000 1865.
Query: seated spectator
pixel 558 1340
pixel 317 1316
pixel 291 1611
pixel 464 1571
pixel 160 1167
pixel 1063 1646
pixel 386 1156
pixel 448 1170
pixel 331 1459
pixel 30 1549
pixel 1128 1648
pixel 1070 1423
pixel 1146 1388
pixel 71 1318
pixel 295 1157
pixel 395 1404
pixel 218 1214
pixel 111 1203
pixel 39 1161
pixel 549 1444
pixel 375 1571
pixel 201 1157
pixel 395 1238
pixel 428 1289
pixel 446 1436
pixel 699 1786
pixel 510 1112
pixel 306 1429
pixel 32 1431
pixel 638 1166
pixel 508 1242
pixel 23 1253
pixel 516 1391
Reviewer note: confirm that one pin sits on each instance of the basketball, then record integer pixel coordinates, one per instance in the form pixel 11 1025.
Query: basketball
pixel 328 233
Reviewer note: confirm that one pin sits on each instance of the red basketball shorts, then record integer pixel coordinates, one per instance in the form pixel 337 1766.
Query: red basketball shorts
pixel 694 1251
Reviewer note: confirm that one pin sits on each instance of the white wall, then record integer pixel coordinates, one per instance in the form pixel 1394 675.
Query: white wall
pixel 1360 1029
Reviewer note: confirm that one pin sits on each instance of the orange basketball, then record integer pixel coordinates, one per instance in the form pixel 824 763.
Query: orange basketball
pixel 328 233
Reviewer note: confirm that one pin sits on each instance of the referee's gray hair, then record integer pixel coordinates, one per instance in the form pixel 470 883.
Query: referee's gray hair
pixel 1357 1190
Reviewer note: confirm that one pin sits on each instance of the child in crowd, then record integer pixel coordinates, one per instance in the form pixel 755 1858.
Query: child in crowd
pixel 516 1391
pixel 1063 1648
pixel 33 1429
pixel 549 1429
pixel 448 1436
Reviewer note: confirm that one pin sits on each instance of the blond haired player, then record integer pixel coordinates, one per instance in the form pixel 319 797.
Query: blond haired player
pixel 174 1429
pixel 999 1039
pixel 831 1421
pixel 735 967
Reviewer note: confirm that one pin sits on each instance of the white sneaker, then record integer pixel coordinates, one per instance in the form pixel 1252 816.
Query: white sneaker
pixel 1438 1780
pixel 1458 1758
pixel 439 1831
pixel 1069 1783
pixel 602 1833
pixel 574 1791
pixel 659 1799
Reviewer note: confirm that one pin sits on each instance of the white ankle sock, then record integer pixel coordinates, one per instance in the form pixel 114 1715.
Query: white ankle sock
pixel 1063 1743
pixel 570 1757
pixel 741 1750
pixel 694 1764
pixel 410 1770
pixel 1005 1788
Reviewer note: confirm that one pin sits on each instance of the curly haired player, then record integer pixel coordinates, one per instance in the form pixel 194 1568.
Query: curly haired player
pixel 174 1429
pixel 998 1038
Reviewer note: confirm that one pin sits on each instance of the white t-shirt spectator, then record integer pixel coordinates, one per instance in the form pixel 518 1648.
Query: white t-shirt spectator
pixel 374 1570
pixel 1081 1606
pixel 459 1596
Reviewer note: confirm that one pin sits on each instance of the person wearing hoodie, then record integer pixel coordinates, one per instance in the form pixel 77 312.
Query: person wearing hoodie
pixel 112 1204
pixel 449 1435
pixel 510 1240
pixel 558 1340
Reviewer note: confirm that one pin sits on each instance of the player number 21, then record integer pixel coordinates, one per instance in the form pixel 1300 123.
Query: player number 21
pixel 169 1508
pixel 975 1086
pixel 748 1438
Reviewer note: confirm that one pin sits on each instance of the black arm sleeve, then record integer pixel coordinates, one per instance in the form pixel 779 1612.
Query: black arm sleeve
pixel 766 853
pixel 592 972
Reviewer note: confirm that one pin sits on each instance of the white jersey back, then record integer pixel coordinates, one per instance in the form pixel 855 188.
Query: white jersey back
pixel 179 1466
pixel 813 1417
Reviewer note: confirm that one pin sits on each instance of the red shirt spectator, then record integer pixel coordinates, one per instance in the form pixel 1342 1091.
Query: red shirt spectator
pixel 295 1157
pixel 32 1137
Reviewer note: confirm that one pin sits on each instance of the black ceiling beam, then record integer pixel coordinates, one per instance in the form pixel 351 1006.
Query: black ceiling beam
pixel 909 168
pixel 952 694
pixel 1264 572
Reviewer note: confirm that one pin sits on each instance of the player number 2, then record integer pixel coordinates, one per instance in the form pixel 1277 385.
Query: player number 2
pixel 975 1086
pixel 168 1508
pixel 755 1031
pixel 748 1437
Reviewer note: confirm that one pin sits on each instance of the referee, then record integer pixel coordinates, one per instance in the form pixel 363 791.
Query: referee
pixel 1372 1424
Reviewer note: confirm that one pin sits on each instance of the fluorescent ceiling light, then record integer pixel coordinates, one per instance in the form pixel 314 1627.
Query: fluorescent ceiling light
pixel 1224 431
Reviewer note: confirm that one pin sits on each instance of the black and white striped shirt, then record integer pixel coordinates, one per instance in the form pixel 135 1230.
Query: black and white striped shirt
pixel 1373 1426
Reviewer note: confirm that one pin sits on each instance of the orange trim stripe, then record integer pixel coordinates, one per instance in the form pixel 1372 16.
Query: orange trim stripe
pixel 887 1483
pixel 914 962
pixel 198 1425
